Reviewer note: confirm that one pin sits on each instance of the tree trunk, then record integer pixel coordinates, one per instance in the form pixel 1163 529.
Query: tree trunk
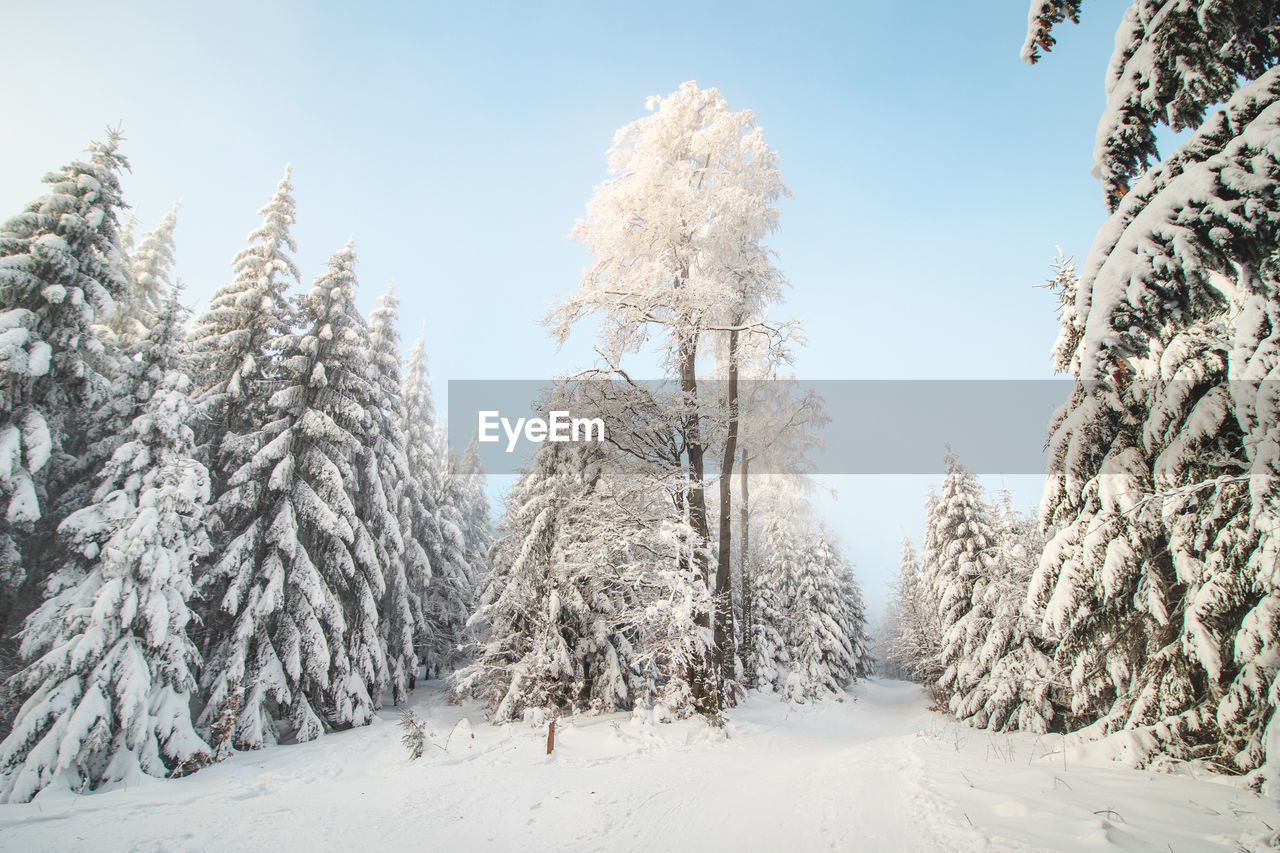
pixel 723 589
pixel 704 675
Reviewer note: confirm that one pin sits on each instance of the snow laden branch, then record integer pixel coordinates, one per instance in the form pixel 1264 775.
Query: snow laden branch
pixel 1157 587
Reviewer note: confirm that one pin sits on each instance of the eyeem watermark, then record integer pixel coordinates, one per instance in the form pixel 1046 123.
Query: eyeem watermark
pixel 829 426
pixel 562 426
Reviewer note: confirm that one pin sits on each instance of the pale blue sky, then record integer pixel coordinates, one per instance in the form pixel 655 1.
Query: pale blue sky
pixel 933 172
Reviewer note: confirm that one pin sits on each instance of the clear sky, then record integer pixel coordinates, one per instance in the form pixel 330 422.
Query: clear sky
pixel 933 172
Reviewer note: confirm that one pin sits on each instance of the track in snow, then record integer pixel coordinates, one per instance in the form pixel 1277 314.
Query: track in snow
pixel 876 771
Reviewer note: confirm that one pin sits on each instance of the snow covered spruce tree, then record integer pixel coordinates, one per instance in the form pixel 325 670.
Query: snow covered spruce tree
pixel 1106 587
pixel 1010 681
pixel 916 634
pixel 956 566
pixel 964 625
pixel 149 300
pixel 111 675
pixel 468 493
pixel 591 606
pixel 854 623
pixel 810 635
pixel 777 426
pixel 438 582
pixel 1163 488
pixel 769 647
pixel 553 610
pixel 887 633
pixel 235 344
pixel 298 578
pixel 465 538
pixel 150 265
pixel 843 612
pixel 61 269
pixel 673 233
pixel 384 471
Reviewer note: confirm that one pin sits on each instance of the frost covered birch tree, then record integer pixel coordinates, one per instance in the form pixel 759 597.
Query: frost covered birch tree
pixel 675 235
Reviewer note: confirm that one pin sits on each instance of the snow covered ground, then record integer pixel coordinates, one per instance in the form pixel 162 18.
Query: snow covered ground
pixel 875 772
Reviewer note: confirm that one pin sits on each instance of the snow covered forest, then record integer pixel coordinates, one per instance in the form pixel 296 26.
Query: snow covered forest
pixel 234 530
pixel 1141 607
pixel 247 529
pixel 219 534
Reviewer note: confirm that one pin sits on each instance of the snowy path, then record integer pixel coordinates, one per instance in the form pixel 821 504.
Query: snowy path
pixel 875 772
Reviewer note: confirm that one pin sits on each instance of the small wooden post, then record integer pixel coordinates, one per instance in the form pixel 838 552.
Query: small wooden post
pixel 551 737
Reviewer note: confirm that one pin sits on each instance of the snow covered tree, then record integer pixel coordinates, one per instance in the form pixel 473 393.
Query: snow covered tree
pixel 1163 493
pixel 426 567
pixel 299 580
pixel 235 346
pixel 444 518
pixel 126 332
pixel 777 425
pixel 1144 572
pixel 964 624
pixel 957 560
pixel 61 269
pixel 111 675
pixel 462 562
pixel 157 360
pixel 590 605
pixel 852 616
pixel 1171 65
pixel 839 647
pixel 384 475
pixel 124 233
pixel 553 640
pixel 236 343
pixel 587 607
pixel 810 627
pixel 1012 682
pixel 917 634
pixel 677 234
pixel 141 369
pixel 471 496
pixel 150 265
pixel 770 662
pixel 1108 585
pixel 887 633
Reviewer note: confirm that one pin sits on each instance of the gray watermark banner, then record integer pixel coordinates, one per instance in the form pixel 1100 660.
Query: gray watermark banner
pixel 871 427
